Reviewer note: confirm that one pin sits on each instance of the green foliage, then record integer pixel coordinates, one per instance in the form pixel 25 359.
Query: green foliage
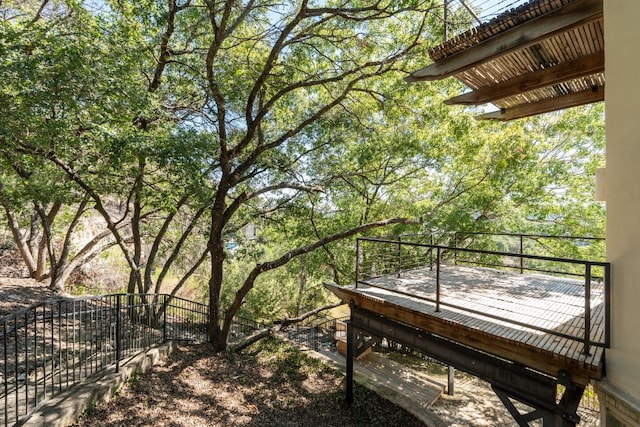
pixel 196 121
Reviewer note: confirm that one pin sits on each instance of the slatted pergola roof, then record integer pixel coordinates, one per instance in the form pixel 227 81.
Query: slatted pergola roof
pixel 543 56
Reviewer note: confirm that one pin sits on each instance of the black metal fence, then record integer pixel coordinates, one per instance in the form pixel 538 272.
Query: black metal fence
pixel 241 327
pixel 318 335
pixel 556 250
pixel 53 345
pixel 513 251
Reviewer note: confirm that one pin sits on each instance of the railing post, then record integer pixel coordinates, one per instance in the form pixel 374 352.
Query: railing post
pixel 438 280
pixel 455 249
pixel 5 377
pixel 351 344
pixel 399 255
pixel 431 253
pixel 587 308
pixel 357 261
pixel 25 322
pixel 118 322
pixel 607 305
pixel 521 254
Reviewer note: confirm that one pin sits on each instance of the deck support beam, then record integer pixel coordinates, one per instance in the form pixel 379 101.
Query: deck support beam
pixel 508 380
pixel 351 347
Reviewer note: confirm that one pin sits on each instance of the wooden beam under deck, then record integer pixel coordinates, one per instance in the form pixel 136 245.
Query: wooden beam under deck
pixel 546 106
pixel 544 353
pixel 570 70
pixel 572 15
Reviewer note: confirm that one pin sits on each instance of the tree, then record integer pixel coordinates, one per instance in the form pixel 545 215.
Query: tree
pixel 198 117
pixel 53 104
pixel 82 126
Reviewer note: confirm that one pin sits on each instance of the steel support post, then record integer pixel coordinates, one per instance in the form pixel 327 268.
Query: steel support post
pixel 351 343
pixel 438 280
pixel 399 256
pixel 587 308
pixel 357 262
pixel 521 254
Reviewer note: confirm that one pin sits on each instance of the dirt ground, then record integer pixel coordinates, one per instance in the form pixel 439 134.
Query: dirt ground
pixel 274 386
pixel 17 293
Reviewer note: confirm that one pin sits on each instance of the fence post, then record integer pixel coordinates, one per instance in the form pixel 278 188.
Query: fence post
pixel 431 253
pixel 315 337
pixel 5 377
pixel 118 321
pixel 351 338
pixel 587 307
pixel 165 307
pixel 450 380
pixel 438 280
pixel 607 305
pixel 455 249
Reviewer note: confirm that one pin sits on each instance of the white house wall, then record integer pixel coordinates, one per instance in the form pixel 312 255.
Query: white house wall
pixel 622 103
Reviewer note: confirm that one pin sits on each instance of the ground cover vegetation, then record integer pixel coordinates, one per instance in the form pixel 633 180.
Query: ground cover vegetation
pixel 163 134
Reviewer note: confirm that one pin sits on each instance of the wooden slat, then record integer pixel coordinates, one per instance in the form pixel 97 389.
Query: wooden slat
pixel 547 105
pixel 505 21
pixel 580 67
pixel 574 14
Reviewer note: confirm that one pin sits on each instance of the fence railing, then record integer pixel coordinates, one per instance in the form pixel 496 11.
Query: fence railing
pixel 502 250
pixel 51 346
pixel 518 245
pixel 376 257
pixel 315 336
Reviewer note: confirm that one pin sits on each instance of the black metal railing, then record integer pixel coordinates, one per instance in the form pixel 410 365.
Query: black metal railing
pixel 321 334
pixel 376 257
pixel 562 247
pixel 51 346
pixel 241 327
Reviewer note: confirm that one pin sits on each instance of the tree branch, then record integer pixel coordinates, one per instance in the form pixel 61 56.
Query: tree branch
pixel 285 323
pixel 242 198
pixel 284 259
pixel 279 325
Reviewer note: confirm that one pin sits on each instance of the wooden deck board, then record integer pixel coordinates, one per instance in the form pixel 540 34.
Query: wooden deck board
pixel 548 302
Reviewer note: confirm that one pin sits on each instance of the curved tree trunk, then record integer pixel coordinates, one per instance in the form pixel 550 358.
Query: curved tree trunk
pixel 21 242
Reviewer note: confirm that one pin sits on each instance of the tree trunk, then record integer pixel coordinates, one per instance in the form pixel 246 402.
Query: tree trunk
pixel 21 243
pixel 216 336
pixel 135 278
pixel 41 266
pixel 303 285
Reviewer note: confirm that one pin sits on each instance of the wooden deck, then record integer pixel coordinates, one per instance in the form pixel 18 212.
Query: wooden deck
pixel 547 302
